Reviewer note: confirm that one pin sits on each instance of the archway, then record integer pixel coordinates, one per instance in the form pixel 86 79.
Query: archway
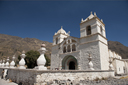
pixel 69 63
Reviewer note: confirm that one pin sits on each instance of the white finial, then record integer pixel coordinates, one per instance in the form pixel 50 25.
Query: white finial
pixel 110 64
pixel 41 60
pixel 22 61
pixel 61 27
pixel 23 52
pixel 55 33
pixel 3 63
pixel 95 14
pixel 69 33
pixel 12 64
pixel 90 64
pixel 101 20
pixel 91 12
pixel 7 63
pixel 82 20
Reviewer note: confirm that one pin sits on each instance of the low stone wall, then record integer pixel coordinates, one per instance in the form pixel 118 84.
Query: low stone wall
pixel 36 77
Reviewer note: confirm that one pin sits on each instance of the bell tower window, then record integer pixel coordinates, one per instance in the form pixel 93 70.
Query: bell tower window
pixel 88 30
pixel 101 30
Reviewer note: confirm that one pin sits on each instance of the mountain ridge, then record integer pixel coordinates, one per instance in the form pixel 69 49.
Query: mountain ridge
pixel 10 45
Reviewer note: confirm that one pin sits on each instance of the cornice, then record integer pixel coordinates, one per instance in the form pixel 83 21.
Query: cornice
pixel 92 19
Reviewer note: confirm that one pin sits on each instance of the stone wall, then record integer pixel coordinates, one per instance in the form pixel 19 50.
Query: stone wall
pixel 36 77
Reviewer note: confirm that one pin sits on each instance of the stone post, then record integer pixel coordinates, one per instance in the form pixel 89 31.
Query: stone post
pixel 90 64
pixel 41 60
pixel 3 65
pixel 7 63
pixel 110 64
pixel 22 61
pixel 0 63
pixel 12 64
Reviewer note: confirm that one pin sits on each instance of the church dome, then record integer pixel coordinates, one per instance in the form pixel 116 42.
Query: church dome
pixel 61 31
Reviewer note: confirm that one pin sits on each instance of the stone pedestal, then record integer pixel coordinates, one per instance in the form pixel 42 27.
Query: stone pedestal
pixel 3 65
pixel 41 60
pixel 22 61
pixel 12 64
pixel 7 63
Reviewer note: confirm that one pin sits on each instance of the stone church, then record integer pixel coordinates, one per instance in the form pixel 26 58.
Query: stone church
pixel 72 53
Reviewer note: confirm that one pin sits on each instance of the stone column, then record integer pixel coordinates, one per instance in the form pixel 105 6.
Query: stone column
pixel 70 47
pixel 41 60
pixel 7 63
pixel 12 64
pixel 90 64
pixel 22 61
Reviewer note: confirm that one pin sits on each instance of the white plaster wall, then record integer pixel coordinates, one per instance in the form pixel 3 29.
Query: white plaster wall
pixel 54 39
pixel 84 25
pixel 88 39
pixel 104 57
pixel 100 24
pixel 93 49
pixel 102 39
pixel 119 66
pixel 60 38
pixel 83 33
pixel 55 57
pixel 103 27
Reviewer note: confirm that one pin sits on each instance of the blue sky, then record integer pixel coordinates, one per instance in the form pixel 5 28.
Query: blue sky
pixel 41 19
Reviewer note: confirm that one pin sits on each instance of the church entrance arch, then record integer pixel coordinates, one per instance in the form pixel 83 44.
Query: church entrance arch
pixel 69 63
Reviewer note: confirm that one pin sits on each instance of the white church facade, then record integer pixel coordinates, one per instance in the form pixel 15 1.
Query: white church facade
pixel 71 53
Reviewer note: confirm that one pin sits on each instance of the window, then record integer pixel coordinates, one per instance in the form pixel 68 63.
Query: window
pixel 68 48
pixel 64 50
pixel 64 43
pixel 88 30
pixel 68 41
pixel 56 40
pixel 101 30
pixel 73 47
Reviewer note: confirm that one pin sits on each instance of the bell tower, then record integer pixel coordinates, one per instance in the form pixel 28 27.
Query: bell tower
pixel 92 25
pixel 93 38
pixel 59 36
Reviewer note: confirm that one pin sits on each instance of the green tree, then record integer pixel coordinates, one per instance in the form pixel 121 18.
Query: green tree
pixel 31 59
pixel 47 60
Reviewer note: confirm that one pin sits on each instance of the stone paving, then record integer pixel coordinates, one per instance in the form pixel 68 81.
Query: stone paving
pixel 109 81
pixel 6 82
